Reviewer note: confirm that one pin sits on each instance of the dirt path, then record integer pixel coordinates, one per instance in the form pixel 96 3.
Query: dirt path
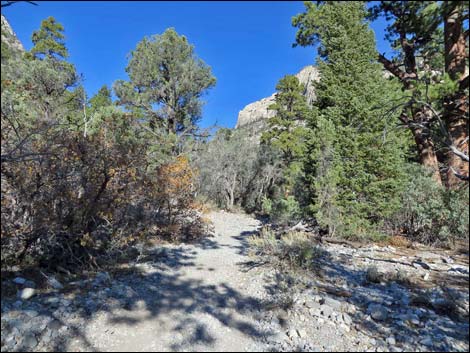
pixel 202 297
pixel 199 300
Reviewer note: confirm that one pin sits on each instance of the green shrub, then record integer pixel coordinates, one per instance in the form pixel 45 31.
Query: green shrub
pixel 285 210
pixel 429 213
pixel 266 206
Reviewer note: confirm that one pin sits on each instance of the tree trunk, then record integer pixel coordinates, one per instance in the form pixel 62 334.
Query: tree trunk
pixel 454 40
pixel 456 106
pixel 426 152
pixel 457 123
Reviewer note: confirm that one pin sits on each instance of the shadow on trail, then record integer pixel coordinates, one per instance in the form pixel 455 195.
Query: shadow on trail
pixel 157 292
pixel 403 302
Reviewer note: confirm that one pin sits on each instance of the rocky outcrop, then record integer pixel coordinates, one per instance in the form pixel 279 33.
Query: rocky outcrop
pixel 9 37
pixel 258 111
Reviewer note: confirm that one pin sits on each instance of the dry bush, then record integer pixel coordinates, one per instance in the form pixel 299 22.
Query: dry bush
pixel 84 201
pixel 399 241
pixel 296 249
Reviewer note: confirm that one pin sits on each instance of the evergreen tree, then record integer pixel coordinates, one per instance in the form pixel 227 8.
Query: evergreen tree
pixel 287 128
pixel 101 99
pixel 49 40
pixel 360 158
pixel 431 42
pixel 287 134
pixel 166 83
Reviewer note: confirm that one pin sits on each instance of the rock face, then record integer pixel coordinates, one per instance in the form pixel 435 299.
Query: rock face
pixel 258 111
pixel 9 37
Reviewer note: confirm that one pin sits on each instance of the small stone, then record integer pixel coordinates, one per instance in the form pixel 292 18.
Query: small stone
pixel 373 341
pixel 426 341
pixel 420 264
pixel 66 302
pixel 373 275
pixel 54 283
pixel 46 338
pixel 31 313
pixel 326 311
pixel 54 325
pixel 312 304
pixel 29 284
pixel 301 333
pixel 391 341
pixel 19 280
pixel 29 341
pixel 26 293
pixel 377 312
pixel 347 319
pixel 335 304
pixel 102 277
pixel 337 318
pixel 315 312
pixel 291 333
pixel 351 309
pixel 426 276
pixel 317 298
pixel 52 300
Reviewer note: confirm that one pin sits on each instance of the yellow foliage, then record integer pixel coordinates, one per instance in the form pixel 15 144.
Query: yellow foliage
pixel 176 179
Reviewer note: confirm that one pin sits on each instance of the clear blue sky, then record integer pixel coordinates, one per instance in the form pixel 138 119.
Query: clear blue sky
pixel 247 44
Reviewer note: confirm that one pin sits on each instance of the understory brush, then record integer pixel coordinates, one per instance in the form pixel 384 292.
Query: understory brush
pixel 297 250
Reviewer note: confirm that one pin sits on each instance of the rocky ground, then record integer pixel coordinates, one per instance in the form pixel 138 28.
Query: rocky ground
pixel 213 296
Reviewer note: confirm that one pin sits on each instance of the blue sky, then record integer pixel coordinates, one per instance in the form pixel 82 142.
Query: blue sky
pixel 247 44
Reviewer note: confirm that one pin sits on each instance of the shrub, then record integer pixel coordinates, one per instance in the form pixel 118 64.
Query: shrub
pixel 285 210
pixel 429 213
pixel 266 206
pixel 295 249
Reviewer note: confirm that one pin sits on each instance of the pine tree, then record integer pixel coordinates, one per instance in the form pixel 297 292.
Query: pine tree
pixel 287 130
pixel 101 99
pixel 431 63
pixel 166 83
pixel 360 158
pixel 49 40
pixel 287 135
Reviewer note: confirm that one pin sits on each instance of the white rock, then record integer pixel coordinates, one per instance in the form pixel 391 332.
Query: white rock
pixel 258 111
pixel 26 293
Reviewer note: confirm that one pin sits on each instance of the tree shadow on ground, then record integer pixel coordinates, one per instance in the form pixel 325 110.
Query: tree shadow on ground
pixel 151 290
pixel 335 279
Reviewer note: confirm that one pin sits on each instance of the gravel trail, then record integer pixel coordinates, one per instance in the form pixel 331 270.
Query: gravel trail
pixel 199 300
pixel 211 296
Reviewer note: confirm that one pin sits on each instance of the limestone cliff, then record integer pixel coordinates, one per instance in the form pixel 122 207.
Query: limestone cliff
pixel 258 111
pixel 9 37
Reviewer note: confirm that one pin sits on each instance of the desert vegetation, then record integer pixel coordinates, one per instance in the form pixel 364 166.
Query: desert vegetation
pixel 341 216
